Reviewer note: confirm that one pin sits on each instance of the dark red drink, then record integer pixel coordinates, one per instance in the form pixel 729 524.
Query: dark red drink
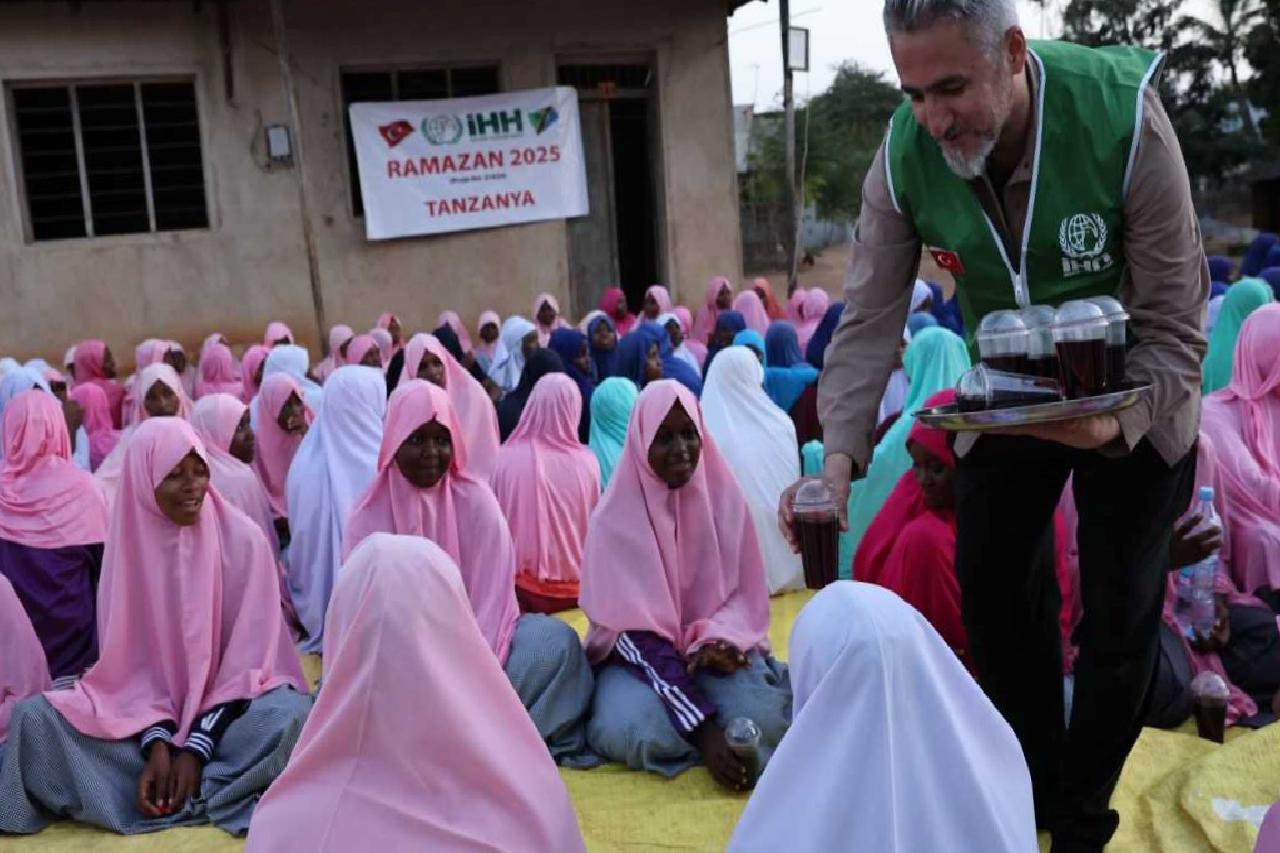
pixel 1083 366
pixel 1115 366
pixel 1045 367
pixel 1010 363
pixel 819 538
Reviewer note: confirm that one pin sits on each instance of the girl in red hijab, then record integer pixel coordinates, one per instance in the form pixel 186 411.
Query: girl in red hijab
pixel 614 304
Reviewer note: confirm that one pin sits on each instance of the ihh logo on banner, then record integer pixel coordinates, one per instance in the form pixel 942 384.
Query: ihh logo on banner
pixel 443 129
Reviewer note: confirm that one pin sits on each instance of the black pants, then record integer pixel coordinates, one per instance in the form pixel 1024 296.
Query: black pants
pixel 1006 491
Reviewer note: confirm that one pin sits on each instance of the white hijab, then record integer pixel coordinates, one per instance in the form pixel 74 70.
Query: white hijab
pixel 292 361
pixel 893 746
pixel 334 464
pixel 758 441
pixel 920 293
pixel 508 358
pixel 895 393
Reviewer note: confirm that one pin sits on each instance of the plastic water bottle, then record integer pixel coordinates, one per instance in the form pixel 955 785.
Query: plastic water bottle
pixel 1194 608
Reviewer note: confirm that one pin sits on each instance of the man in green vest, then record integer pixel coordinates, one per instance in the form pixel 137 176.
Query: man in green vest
pixel 1036 173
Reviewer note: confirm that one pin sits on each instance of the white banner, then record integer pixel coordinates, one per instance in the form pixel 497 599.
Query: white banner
pixel 428 167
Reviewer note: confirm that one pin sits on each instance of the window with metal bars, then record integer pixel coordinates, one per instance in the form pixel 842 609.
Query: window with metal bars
pixel 110 158
pixel 425 84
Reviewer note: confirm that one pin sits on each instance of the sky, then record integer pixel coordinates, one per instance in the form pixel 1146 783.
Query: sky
pixel 839 30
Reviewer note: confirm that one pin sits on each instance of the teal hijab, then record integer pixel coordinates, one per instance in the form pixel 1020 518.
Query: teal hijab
pixel 611 406
pixel 935 360
pixel 1242 299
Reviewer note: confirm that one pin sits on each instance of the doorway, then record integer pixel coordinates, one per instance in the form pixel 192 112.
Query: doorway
pixel 617 243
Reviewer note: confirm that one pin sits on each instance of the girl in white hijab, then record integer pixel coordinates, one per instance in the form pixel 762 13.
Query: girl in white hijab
pixel 508 359
pixel 333 466
pixel 893 746
pixel 758 440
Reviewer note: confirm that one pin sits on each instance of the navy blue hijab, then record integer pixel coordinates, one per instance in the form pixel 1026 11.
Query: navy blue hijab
pixel 567 343
pixel 734 322
pixel 631 354
pixel 606 363
pixel 815 352
pixel 672 367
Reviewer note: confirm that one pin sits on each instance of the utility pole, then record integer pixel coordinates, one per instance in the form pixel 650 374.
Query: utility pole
pixel 789 119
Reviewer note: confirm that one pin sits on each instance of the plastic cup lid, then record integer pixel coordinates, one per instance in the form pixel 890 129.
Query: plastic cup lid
pixel 814 496
pixel 1210 684
pixel 1002 333
pixel 1111 307
pixel 1080 321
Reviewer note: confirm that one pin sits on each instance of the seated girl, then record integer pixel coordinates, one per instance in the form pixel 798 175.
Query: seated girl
pixel 425 487
pixel 161 395
pixel 53 521
pixel 23 671
pixel 198 696
pixel 286 419
pixel 335 463
pixel 402 640
pixel 427 358
pixel 540 363
pixel 547 484
pixel 881 707
pixel 674 585
pixel 611 406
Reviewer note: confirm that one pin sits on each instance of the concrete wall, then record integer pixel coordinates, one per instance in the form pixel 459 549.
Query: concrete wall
pixel 251 265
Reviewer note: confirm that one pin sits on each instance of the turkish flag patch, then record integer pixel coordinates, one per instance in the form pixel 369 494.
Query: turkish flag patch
pixel 948 260
pixel 396 132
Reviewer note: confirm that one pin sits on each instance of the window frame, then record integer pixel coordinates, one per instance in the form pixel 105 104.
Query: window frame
pixel 69 84
pixel 395 69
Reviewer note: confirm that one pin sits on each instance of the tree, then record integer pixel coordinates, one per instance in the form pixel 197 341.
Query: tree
pixel 1227 42
pixel 1262 49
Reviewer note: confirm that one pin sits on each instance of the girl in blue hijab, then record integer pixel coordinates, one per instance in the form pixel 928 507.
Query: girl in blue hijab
pixel 1255 257
pixel 728 324
pixel 815 353
pixel 672 367
pixel 571 346
pixel 638 359
pixel 601 330
pixel 786 374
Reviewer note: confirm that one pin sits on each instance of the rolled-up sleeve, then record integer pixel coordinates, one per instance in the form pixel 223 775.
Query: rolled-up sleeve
pixel 877 293
pixel 1166 290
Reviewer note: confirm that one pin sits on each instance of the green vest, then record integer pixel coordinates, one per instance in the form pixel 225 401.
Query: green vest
pixel 1088 112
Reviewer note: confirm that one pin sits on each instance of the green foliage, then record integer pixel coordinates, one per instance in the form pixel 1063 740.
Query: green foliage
pixel 1262 49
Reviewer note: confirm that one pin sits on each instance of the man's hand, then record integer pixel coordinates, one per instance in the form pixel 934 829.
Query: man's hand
pixel 1217 639
pixel 1186 548
pixel 1087 433
pixel 837 472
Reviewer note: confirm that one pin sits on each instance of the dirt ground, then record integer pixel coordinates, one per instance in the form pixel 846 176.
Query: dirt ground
pixel 829 269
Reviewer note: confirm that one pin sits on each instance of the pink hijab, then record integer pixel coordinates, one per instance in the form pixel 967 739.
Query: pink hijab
pixel 146 379
pixel 693 573
pixel 338 335
pixel 459 513
pixel 609 304
pixel 90 356
pixel 812 310
pixel 453 321
pixel 704 325
pixel 794 301
pixel 253 357
pixel 112 469
pixel 752 310
pixel 544 332
pixel 215 421
pixel 697 348
pixel 386 345
pixel 189 617
pixel 45 500
pixel 474 410
pixel 275 331
pixel 481 348
pixel 24 669
pixel 1243 421
pixel 547 484
pixel 662 296
pixel 217 373
pixel 399 638
pixel 384 323
pixel 275 447
pixel 149 352
pixel 103 437
pixel 359 348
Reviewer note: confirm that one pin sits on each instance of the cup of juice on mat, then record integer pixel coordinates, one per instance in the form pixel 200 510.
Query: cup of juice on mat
pixel 1210 703
pixel 743 736
pixel 817 529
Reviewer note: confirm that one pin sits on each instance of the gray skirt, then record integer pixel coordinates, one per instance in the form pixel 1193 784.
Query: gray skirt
pixel 549 671
pixel 629 724
pixel 53 772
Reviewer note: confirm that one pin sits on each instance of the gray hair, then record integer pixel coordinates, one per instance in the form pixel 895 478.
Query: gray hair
pixel 988 20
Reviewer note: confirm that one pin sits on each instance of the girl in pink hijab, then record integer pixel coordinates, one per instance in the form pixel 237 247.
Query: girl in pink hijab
pixel 488 328
pixel 426 358
pixel 387 346
pixel 793 310
pixel 339 337
pixel 614 304
pixel 546 316
pixel 1243 420
pixel 53 521
pixel 364 350
pixel 162 396
pixel 390 323
pixel 103 437
pixel 277 333
pixel 424 487
pixel 285 419
pixel 719 298
pixel 399 639
pixel 657 301
pixel 251 366
pixel 679 626
pixel 752 310
pixel 217 373
pixel 193 646
pixel 547 483
pixel 23 671
pixel 453 321
pixel 812 310
pixel 96 365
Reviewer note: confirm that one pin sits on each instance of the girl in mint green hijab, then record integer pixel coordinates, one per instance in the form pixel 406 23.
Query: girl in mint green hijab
pixel 935 360
pixel 611 406
pixel 1242 299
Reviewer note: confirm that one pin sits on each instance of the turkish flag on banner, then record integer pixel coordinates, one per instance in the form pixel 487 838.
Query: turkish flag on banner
pixel 948 260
